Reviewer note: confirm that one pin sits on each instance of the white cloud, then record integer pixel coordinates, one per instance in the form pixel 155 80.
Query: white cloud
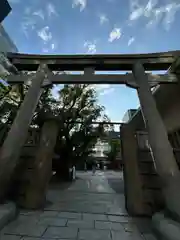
pixel 131 40
pixel 157 16
pixel 170 11
pixel 51 10
pixel 102 89
pixel 39 13
pixel 28 24
pixel 81 3
pixel 165 13
pixel 90 47
pixel 49 47
pixel 45 34
pixel 103 19
pixel 136 14
pixel 149 7
pixel 107 91
pixel 154 13
pixel 114 34
pixel 53 46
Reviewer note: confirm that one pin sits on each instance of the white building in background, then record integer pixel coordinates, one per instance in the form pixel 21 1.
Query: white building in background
pixel 128 115
pixel 100 148
pixel 6 44
pixel 103 146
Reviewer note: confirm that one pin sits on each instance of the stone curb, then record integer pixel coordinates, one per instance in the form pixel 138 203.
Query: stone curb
pixel 8 212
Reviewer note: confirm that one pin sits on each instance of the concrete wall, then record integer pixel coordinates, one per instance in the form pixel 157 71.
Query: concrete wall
pixel 171 114
pixel 168 103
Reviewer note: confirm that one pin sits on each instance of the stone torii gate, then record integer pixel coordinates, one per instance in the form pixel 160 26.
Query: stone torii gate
pixel 51 67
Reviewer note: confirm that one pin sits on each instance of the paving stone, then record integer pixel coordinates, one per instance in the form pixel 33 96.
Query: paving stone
pixel 89 199
pixel 28 219
pixel 144 225
pixel 49 214
pixel 130 227
pixel 10 237
pixel 149 237
pixel 70 215
pixel 116 210
pixel 90 216
pixel 109 225
pixel 52 221
pixel 30 213
pixel 94 234
pixel 33 230
pixel 81 224
pixel 21 222
pixel 114 218
pixel 118 235
pixel 61 232
pixel 30 238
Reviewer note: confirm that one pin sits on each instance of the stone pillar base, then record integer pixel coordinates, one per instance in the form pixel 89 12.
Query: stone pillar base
pixel 165 228
pixel 8 212
pixel 34 200
pixel 133 190
pixel 171 193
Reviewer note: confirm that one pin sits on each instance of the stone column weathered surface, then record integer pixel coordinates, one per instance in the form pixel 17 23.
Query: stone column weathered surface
pixel 35 194
pixel 16 137
pixel 132 179
pixel 162 151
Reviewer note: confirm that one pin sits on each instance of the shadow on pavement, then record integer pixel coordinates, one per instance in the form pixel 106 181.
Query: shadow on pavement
pixel 117 185
pixel 57 183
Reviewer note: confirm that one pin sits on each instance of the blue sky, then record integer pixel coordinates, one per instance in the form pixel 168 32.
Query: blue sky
pixel 96 26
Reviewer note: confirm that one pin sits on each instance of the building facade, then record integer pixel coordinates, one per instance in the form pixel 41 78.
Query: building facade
pixel 128 115
pixel 5 9
pixel 6 44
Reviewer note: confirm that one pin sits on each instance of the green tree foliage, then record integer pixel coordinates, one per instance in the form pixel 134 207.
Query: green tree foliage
pixel 10 99
pixel 115 148
pixel 76 107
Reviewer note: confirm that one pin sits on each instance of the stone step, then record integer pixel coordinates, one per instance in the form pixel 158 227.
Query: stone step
pixel 165 228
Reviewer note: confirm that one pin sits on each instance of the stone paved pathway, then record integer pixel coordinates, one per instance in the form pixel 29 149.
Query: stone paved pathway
pixel 91 208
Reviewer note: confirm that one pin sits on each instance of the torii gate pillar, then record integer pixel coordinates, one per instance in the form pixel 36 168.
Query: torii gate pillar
pixel 16 137
pixel 162 151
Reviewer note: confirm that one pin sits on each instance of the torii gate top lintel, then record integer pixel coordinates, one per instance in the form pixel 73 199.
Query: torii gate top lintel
pixel 100 62
pixel 23 65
